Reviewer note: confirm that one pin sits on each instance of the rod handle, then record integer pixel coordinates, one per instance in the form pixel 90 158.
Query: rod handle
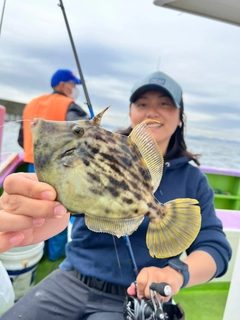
pixel 163 288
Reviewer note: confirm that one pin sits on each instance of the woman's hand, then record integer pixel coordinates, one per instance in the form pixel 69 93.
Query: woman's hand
pixel 199 273
pixel 153 274
pixel 28 212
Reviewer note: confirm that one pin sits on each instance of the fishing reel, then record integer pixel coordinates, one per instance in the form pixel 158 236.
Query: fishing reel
pixel 147 309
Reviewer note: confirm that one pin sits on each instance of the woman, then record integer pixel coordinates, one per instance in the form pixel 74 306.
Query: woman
pixel 91 283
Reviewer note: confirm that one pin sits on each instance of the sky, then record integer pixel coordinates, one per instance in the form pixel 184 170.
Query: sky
pixel 119 42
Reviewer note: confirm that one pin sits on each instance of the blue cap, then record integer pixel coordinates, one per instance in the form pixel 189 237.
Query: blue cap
pixel 158 81
pixel 64 75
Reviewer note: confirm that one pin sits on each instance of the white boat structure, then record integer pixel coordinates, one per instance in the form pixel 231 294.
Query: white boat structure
pixel 227 203
pixel 222 10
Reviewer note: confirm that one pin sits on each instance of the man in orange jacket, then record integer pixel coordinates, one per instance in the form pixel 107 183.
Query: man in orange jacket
pixel 58 106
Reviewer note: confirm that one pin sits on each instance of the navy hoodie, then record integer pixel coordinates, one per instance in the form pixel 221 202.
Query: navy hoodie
pixel 105 257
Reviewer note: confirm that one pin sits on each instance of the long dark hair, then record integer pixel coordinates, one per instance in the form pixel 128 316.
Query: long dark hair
pixel 177 146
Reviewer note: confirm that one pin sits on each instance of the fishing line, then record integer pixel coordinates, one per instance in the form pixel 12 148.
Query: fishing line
pixel 117 255
pixel 14 121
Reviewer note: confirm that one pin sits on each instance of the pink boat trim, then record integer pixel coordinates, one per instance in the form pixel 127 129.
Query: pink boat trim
pixel 17 161
pixel 229 218
pixel 227 172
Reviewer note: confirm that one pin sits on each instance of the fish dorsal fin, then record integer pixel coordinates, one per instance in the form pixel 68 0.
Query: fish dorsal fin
pixel 97 119
pixel 142 136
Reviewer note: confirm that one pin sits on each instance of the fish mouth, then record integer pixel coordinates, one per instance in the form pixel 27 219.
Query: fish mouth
pixel 35 122
pixel 68 152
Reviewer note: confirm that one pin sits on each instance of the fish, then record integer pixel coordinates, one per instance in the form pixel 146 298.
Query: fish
pixel 111 179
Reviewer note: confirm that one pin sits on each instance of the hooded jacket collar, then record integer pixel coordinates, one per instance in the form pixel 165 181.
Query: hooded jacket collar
pixel 176 163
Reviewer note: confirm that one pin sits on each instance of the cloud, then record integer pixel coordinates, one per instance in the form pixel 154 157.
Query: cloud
pixel 117 43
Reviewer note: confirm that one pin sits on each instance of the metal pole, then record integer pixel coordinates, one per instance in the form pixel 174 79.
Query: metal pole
pixel 77 61
pixel 4 3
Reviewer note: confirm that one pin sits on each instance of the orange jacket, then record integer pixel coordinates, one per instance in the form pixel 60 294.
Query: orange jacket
pixel 49 107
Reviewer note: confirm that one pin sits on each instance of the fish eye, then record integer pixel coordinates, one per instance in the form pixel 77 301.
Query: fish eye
pixel 78 131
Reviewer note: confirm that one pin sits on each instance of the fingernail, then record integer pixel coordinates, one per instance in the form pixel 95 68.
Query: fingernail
pixel 59 211
pixel 47 195
pixel 38 221
pixel 18 237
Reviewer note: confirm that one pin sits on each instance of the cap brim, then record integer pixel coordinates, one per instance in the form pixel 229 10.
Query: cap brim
pixel 149 87
pixel 77 81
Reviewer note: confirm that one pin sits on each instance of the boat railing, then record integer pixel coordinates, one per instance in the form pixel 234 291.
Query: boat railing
pixel 226 186
pixel 9 162
pixel 2 119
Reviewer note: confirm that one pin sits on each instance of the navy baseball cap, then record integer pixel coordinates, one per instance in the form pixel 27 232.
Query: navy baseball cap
pixel 64 75
pixel 158 81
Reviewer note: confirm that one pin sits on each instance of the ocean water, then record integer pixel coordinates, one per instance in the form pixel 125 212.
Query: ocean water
pixel 214 152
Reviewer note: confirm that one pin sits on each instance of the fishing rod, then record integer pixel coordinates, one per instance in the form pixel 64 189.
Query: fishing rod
pixel 4 3
pixel 126 238
pixel 77 60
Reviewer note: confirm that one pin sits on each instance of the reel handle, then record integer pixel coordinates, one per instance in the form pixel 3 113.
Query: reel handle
pixel 163 288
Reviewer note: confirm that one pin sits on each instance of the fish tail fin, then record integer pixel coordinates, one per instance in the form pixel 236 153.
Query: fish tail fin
pixel 178 228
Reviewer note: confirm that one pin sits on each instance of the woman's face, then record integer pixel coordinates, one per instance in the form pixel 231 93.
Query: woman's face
pixel 158 106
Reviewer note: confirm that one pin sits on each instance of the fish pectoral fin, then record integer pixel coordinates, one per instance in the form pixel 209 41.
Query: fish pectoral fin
pixel 116 227
pixel 176 231
pixel 143 137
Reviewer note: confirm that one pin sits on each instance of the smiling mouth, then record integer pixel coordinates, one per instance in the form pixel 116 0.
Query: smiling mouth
pixel 153 123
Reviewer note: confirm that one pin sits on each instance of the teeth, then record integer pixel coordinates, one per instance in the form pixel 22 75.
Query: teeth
pixel 154 125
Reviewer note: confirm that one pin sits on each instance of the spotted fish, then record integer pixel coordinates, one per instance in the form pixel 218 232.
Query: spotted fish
pixel 111 178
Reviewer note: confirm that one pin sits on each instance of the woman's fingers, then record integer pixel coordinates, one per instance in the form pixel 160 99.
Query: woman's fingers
pixel 10 238
pixel 18 204
pixel 21 237
pixel 27 184
pixel 153 274
pixel 25 195
pixel 14 239
pixel 132 289
pixel 28 211
pixel 13 222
